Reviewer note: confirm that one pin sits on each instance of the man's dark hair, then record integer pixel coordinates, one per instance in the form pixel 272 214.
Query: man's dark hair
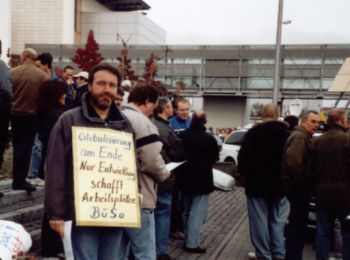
pixel 68 67
pixel 104 66
pixel 292 121
pixel 142 93
pixel 120 92
pixel 45 59
pixel 162 103
pixel 49 94
pixel 334 116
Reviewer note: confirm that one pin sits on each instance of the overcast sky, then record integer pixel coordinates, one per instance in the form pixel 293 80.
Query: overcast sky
pixel 251 21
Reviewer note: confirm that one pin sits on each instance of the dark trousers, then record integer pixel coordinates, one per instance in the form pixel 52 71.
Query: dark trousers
pixel 177 211
pixel 297 222
pixel 51 243
pixel 24 128
pixel 4 136
pixel 325 231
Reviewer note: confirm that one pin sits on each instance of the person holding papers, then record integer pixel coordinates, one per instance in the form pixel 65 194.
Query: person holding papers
pixel 179 123
pixel 142 101
pixel 172 151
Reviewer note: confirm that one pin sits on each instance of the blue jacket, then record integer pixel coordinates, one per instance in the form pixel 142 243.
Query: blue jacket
pixel 178 124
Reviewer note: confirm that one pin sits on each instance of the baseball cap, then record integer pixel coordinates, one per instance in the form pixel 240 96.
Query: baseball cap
pixel 82 74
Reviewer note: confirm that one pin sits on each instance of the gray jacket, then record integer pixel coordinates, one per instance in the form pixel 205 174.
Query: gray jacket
pixel 5 87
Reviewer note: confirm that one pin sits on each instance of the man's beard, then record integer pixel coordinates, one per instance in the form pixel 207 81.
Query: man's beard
pixel 101 102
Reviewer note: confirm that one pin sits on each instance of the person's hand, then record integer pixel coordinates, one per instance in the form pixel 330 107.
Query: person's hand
pixel 58 226
pixel 70 81
pixel 168 175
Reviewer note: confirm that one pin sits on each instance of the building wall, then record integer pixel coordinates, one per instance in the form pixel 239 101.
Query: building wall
pixel 40 21
pixel 132 27
pixel 224 112
pixel 214 67
pixel 68 21
pixel 77 24
pixel 92 6
pixel 5 28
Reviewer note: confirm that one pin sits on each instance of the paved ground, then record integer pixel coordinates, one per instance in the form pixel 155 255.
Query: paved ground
pixel 225 234
pixel 6 170
pixel 226 231
pixel 226 212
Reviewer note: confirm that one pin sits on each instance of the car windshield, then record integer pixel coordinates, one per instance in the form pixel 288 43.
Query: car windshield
pixel 236 138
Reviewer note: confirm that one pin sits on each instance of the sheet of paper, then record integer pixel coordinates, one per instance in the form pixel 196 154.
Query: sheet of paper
pixel 172 165
pixel 67 243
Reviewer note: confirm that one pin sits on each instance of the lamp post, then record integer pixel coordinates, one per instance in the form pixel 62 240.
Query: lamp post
pixel 276 84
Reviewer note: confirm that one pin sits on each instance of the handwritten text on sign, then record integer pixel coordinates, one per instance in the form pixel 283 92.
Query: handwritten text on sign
pixel 105 178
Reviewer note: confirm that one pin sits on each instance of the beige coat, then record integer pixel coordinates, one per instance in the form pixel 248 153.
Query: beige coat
pixel 26 81
pixel 148 148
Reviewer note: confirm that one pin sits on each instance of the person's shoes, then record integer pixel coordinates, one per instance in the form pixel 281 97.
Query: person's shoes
pixel 24 186
pixel 197 250
pixel 163 257
pixel 36 181
pixel 177 235
pixel 251 256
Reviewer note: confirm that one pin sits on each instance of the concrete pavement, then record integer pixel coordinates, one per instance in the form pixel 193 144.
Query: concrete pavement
pixel 225 234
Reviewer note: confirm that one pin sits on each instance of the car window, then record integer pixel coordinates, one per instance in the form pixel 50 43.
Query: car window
pixel 236 138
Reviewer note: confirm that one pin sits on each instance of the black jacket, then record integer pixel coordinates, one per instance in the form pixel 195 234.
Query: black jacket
pixel 79 94
pixel 260 159
pixel 201 152
pixel 172 150
pixel 47 120
pixel 329 169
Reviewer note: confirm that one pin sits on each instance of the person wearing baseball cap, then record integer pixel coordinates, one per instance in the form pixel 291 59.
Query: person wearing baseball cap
pixel 82 87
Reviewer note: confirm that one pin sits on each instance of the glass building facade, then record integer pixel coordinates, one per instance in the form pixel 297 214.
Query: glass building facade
pixel 232 70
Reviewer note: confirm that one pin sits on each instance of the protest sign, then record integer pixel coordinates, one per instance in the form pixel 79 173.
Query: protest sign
pixel 105 178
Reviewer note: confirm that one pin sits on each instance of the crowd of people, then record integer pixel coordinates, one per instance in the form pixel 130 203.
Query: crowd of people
pixel 281 164
pixel 42 108
pixel 282 169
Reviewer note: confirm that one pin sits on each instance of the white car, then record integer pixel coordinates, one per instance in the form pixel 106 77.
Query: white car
pixel 231 146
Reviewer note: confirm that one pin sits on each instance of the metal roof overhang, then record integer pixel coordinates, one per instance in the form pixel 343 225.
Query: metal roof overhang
pixel 125 5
